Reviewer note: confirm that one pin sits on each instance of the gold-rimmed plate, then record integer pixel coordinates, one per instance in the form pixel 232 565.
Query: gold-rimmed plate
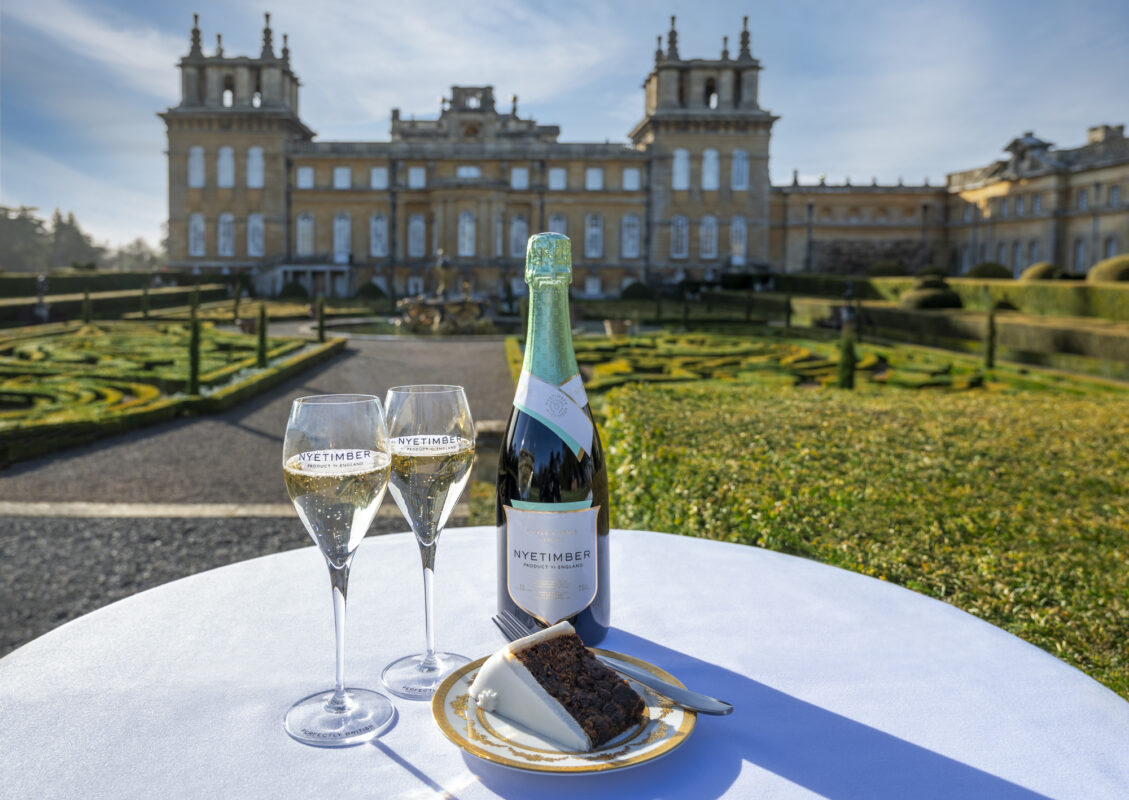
pixel 496 739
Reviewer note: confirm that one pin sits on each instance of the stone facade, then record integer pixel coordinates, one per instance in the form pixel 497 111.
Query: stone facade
pixel 251 190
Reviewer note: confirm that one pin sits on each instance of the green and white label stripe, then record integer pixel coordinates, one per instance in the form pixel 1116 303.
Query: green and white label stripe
pixel 559 408
pixel 579 505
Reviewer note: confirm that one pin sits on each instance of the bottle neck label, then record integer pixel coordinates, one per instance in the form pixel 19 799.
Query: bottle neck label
pixel 559 408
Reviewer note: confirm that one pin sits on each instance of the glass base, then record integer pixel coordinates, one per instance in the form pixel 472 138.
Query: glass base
pixel 417 677
pixel 313 720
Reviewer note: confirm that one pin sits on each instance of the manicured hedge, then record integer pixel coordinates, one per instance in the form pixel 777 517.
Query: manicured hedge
pixel 1010 506
pixel 106 305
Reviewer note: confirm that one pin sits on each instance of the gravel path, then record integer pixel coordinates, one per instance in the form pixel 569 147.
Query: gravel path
pixel 54 569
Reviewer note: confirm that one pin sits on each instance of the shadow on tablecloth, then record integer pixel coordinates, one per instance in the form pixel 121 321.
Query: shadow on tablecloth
pixel 819 750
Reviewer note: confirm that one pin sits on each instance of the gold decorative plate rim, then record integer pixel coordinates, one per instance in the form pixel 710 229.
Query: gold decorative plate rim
pixel 604 759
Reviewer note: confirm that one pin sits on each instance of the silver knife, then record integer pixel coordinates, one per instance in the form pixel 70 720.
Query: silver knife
pixel 696 701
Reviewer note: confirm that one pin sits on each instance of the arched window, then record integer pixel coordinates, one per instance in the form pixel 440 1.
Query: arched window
pixel 710 170
pixel 558 224
pixel 707 237
pixel 680 170
pixel 342 237
pixel 305 234
pixel 593 236
pixel 226 234
pixel 1032 252
pixel 739 171
pixel 737 241
pixel 679 237
pixel 629 236
pixel 1001 253
pixel 1016 257
pixel 255 235
pixel 255 168
pixel 711 93
pixel 965 258
pixel 196 235
pixel 225 168
pixel 195 167
pixel 417 231
pixel 378 236
pixel 1110 248
pixel 519 235
pixel 1079 255
pixel 466 233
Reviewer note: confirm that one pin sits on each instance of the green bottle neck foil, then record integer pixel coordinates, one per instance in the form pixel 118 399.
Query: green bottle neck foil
pixel 548 346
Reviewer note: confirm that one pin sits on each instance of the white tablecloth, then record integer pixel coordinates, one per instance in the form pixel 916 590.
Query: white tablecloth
pixel 844 686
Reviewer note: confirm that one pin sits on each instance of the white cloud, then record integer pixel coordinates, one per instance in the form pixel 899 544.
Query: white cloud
pixel 140 56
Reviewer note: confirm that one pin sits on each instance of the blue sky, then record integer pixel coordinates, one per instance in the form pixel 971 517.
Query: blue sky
pixel 867 88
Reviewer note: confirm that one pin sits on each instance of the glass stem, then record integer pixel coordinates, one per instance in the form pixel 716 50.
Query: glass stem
pixel 427 555
pixel 339 580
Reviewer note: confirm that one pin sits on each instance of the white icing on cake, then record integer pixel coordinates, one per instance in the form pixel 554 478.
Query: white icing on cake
pixel 505 687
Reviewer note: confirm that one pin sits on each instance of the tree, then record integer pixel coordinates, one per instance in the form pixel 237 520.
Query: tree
pixel 137 256
pixel 24 240
pixel 70 246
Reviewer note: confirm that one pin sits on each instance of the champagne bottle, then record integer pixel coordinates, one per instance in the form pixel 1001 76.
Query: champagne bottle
pixel 552 503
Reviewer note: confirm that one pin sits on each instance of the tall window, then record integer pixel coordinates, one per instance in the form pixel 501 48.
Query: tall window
pixel 707 237
pixel 378 178
pixel 737 241
pixel 196 235
pixel 342 178
pixel 1003 207
pixel 1110 248
pixel 255 235
pixel 1032 252
pixel 499 238
pixel 519 178
pixel 965 258
pixel 1020 206
pixel 631 179
pixel 558 179
pixel 305 234
pixel 226 233
pixel 710 169
pixel 378 236
pixel 1083 199
pixel 1079 255
pixel 593 286
pixel 342 237
pixel 1001 253
pixel 417 231
pixel 680 170
pixel 1115 196
pixel 629 236
pixel 739 171
pixel 466 233
pixel 195 167
pixel 305 178
pixel 1036 204
pixel 468 171
pixel 225 168
pixel 558 224
pixel 968 212
pixel 593 236
pixel 417 177
pixel 1016 257
pixel 679 237
pixel 519 235
pixel 255 168
pixel 594 179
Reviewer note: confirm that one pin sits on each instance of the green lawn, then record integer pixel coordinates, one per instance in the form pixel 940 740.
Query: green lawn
pixel 1013 506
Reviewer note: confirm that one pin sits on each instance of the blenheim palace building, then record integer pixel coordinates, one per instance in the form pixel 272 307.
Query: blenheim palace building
pixel 251 190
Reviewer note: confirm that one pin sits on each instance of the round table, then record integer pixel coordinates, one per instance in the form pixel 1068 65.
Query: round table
pixel 844 686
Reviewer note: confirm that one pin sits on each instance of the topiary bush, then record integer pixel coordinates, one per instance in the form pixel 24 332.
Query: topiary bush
pixel 293 291
pixel 886 269
pixel 932 272
pixel 637 291
pixel 1041 271
pixel 370 291
pixel 989 269
pixel 930 293
pixel 1112 269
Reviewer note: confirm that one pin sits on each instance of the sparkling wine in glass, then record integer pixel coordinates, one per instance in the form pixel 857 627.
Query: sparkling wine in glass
pixel 432 444
pixel 336 463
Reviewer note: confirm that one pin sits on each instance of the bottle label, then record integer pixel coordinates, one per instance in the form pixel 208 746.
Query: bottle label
pixel 551 557
pixel 559 408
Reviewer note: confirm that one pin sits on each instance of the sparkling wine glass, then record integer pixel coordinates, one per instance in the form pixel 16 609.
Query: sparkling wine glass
pixel 432 444
pixel 335 460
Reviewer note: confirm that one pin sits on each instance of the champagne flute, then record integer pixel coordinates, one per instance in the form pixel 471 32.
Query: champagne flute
pixel 335 460
pixel 432 444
